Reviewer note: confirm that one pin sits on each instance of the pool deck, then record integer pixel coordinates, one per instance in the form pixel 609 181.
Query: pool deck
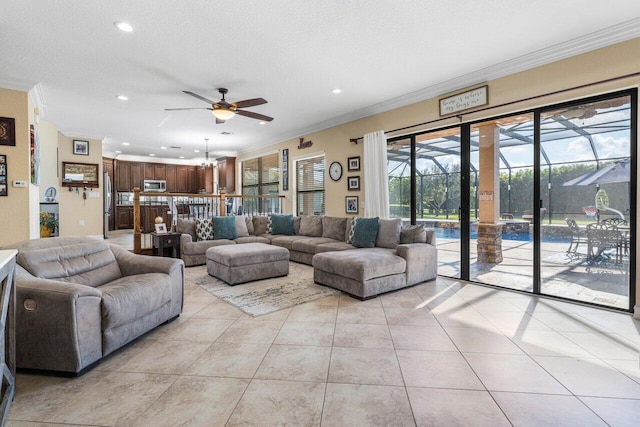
pixel 604 282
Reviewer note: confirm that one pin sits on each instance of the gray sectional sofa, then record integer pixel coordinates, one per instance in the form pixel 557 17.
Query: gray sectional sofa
pixel 402 256
pixel 79 299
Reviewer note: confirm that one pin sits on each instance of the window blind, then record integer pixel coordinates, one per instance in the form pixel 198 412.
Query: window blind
pixel 310 194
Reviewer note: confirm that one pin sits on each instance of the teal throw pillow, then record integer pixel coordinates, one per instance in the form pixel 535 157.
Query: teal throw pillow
pixel 365 232
pixel 224 227
pixel 282 224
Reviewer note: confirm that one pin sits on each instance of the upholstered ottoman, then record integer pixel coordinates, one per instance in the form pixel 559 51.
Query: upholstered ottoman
pixel 247 262
pixel 362 273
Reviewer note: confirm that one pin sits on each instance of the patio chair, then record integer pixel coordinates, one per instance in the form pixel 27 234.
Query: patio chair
pixel 578 235
pixel 617 222
pixel 601 237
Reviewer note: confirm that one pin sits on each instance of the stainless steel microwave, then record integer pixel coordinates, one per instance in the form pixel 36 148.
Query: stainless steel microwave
pixel 155 186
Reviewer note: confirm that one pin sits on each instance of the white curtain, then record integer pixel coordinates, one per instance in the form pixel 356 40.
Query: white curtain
pixel 376 184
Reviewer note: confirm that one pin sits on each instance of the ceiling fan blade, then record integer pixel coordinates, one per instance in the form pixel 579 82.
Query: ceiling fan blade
pixel 208 101
pixel 250 102
pixel 218 121
pixel 180 109
pixel 254 115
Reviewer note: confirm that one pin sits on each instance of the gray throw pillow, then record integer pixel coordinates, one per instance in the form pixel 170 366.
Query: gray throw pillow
pixel 413 234
pixel 334 228
pixel 296 225
pixel 259 225
pixel 365 232
pixel 249 221
pixel 187 226
pixel 241 226
pixel 224 227
pixel 311 225
pixel 389 233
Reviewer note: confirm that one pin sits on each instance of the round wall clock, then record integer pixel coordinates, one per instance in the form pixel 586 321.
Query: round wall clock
pixel 335 171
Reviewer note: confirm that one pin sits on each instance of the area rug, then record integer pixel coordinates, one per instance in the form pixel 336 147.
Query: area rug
pixel 264 296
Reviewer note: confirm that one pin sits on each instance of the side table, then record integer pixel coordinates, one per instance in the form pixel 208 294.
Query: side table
pixel 166 240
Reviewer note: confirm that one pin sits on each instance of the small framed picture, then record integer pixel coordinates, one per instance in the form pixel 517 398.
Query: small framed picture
pixel 3 175
pixel 7 131
pixel 351 204
pixel 80 147
pixel 161 228
pixel 353 183
pixel 353 164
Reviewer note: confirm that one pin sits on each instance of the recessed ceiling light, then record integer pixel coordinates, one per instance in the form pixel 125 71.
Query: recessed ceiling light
pixel 122 97
pixel 152 155
pixel 196 151
pixel 163 148
pixel 181 157
pixel 336 90
pixel 125 143
pixel 262 122
pixel 123 26
pixel 118 151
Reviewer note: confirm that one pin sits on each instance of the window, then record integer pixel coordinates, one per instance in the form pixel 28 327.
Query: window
pixel 260 176
pixel 310 186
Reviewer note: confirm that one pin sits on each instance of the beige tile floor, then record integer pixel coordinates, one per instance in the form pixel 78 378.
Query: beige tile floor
pixel 443 353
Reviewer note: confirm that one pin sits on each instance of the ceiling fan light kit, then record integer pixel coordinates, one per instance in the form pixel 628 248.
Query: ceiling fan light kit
pixel 223 110
pixel 223 113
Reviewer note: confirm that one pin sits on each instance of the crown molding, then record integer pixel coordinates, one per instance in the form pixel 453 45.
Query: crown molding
pixel 21 85
pixel 592 41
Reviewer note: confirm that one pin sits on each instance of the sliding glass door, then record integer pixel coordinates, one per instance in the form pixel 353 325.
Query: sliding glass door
pixel 540 201
pixel 585 181
pixel 432 197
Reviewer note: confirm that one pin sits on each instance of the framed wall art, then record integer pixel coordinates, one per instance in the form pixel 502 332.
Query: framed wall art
pixel 7 131
pixel 4 183
pixel 285 169
pixel 353 164
pixel 80 147
pixel 351 204
pixel 80 174
pixel 353 183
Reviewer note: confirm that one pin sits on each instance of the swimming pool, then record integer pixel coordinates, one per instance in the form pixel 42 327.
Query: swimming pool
pixel 454 233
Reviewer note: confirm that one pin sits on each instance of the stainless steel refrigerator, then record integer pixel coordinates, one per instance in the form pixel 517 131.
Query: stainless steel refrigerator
pixel 107 204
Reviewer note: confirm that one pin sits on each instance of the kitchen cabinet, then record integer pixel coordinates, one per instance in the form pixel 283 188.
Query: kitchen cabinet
pixel 171 177
pixel 192 180
pixel 137 179
pixel 179 178
pixel 149 214
pixel 124 217
pixel 182 183
pixel 160 172
pixel 227 174
pixel 123 176
pixel 148 171
pixel 205 179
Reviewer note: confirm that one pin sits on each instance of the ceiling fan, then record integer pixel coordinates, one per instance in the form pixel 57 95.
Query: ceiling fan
pixel 223 110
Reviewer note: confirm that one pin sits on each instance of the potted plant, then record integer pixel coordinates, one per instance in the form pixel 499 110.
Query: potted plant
pixel 48 224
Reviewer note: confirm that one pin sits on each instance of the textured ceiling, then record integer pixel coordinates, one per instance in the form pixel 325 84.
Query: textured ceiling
pixel 382 54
